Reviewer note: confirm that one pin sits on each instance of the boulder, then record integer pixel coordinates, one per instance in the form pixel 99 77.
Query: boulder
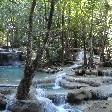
pixel 107 81
pixel 7 90
pixel 100 106
pixel 77 97
pixel 57 98
pixel 106 64
pixel 79 82
pixel 80 72
pixel 51 70
pixel 71 85
pixel 24 106
pixel 90 83
pixel 44 81
pixel 2 102
pixel 91 72
pixel 40 104
pixel 100 73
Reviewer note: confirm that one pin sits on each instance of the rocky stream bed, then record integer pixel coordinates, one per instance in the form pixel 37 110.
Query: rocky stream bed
pixel 67 90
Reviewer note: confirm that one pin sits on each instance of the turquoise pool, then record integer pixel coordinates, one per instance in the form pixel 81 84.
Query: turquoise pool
pixel 10 74
pixel 13 75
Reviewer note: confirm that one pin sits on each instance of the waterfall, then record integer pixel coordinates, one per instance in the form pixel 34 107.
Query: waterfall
pixel 79 60
pixel 48 105
pixel 60 75
pixel 40 92
pixel 80 56
pixel 10 101
pixel 45 103
pixel 40 95
pixel 58 79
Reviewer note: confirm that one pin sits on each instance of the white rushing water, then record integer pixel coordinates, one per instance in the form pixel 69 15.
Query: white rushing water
pixel 59 76
pixel 80 56
pixel 58 79
pixel 10 101
pixel 47 104
pixel 66 70
pixel 79 60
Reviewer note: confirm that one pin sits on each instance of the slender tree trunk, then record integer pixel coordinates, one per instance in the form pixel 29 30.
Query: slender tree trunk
pixel 62 37
pixel 68 35
pixel 85 58
pixel 104 37
pixel 91 42
pixel 108 54
pixel 48 30
pixel 24 86
pixel 7 39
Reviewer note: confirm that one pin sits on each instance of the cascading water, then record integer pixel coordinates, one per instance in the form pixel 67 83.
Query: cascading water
pixel 80 56
pixel 58 79
pixel 60 75
pixel 79 60
pixel 10 101
pixel 47 104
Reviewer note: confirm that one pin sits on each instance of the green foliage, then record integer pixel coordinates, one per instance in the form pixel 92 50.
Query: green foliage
pixel 79 16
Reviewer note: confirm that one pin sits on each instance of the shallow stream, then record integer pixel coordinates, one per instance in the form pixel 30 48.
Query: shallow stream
pixel 11 75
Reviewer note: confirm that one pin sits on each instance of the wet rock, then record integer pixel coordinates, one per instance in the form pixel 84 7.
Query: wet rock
pixel 80 72
pixel 77 67
pixel 57 98
pixel 101 93
pixel 83 81
pixel 71 85
pixel 46 85
pixel 25 106
pixel 2 102
pixel 91 72
pixel 107 64
pixel 93 84
pixel 77 97
pixel 97 96
pixel 7 91
pixel 100 73
pixel 107 72
pixel 107 81
pixel 36 103
pixel 45 81
pixel 90 83
pixel 101 106
pixel 50 70
pixel 90 93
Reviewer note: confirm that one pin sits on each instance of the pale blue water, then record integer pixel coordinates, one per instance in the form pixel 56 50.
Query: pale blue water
pixel 10 74
pixel 13 75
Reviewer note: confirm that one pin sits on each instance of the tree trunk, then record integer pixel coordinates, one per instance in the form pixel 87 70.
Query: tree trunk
pixel 62 37
pixel 104 37
pixel 85 58
pixel 48 30
pixel 24 86
pixel 91 42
